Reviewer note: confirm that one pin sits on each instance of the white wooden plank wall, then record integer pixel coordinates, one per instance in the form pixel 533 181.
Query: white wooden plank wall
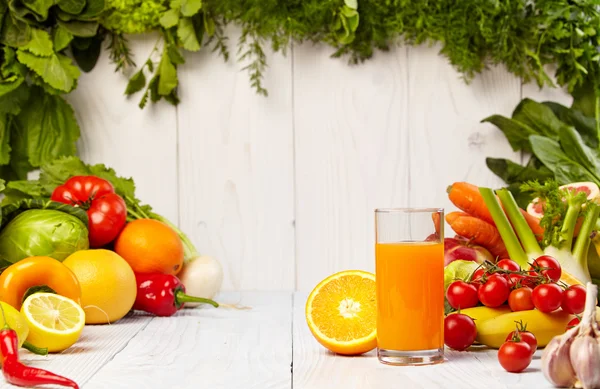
pixel 282 189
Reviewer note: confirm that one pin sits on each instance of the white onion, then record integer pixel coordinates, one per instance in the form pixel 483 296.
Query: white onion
pixel 202 276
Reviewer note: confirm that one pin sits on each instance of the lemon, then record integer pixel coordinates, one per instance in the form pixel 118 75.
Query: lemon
pixel 16 321
pixel 108 287
pixel 54 321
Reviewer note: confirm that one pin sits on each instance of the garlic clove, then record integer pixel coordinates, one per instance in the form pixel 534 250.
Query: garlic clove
pixel 556 362
pixel 585 360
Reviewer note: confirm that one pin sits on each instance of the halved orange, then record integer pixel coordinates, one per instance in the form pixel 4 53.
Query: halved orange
pixel 341 312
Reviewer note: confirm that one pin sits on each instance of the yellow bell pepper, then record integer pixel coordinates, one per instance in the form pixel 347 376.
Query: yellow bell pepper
pixel 30 272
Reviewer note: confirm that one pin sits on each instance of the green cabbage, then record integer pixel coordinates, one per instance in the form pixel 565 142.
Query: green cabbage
pixel 42 232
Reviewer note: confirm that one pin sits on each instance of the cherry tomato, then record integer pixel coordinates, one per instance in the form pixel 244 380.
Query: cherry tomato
pixel 547 297
pixel 515 280
pixel 548 267
pixel 508 264
pixel 106 210
pixel 459 331
pixel 520 299
pixel 462 295
pixel 526 337
pixel 574 299
pixel 494 292
pixel 514 356
pixel 575 321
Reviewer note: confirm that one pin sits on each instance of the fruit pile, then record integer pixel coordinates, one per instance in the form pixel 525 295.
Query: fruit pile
pixel 496 296
pixel 55 284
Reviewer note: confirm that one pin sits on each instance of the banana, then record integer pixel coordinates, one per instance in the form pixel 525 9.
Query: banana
pixel 482 313
pixel 544 326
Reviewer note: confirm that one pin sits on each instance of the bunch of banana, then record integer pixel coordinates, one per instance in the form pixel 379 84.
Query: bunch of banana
pixel 494 324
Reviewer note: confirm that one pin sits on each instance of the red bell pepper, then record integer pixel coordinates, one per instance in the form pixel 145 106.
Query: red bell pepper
pixel 163 294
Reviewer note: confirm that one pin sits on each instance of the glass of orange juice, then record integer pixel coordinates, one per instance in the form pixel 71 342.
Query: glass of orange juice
pixel 409 273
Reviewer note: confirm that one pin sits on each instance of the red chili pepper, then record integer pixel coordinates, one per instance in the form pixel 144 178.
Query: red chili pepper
pixel 21 375
pixel 163 294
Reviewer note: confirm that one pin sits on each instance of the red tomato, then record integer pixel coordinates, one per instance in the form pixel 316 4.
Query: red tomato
pixel 548 267
pixel 494 292
pixel 547 297
pixel 106 210
pixel 462 295
pixel 514 356
pixel 508 264
pixel 459 331
pixel 575 321
pixel 526 337
pixel 574 299
pixel 520 299
pixel 515 280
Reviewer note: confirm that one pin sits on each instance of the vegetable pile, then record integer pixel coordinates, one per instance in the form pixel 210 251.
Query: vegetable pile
pixel 44 46
pixel 78 236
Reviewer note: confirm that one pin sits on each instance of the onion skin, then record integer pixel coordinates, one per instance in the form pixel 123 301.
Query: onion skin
pixel 202 277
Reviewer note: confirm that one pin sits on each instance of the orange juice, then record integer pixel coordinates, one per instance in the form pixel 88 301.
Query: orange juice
pixel 410 295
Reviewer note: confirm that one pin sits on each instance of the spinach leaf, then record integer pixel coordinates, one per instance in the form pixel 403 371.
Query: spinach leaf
pixel 92 10
pixel 79 28
pixel 512 172
pixel 585 125
pixel 48 128
pixel 516 132
pixel 187 35
pixel 86 52
pixel 56 70
pixel 4 139
pixel 71 6
pixel 549 152
pixel 61 38
pixel 585 100
pixel 167 73
pixel 40 43
pixel 15 33
pixel 539 117
pixel 37 9
pixel 570 171
pixel 573 146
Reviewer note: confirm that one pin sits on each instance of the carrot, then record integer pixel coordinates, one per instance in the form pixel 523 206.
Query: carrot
pixel 480 231
pixel 436 222
pixel 534 225
pixel 467 198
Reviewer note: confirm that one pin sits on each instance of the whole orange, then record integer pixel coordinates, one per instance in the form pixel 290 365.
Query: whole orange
pixel 150 246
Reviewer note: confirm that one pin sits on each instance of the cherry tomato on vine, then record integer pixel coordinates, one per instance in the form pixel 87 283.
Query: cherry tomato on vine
pixel 547 297
pixel 459 331
pixel 462 295
pixel 526 337
pixel 574 322
pixel 106 210
pixel 514 356
pixel 574 299
pixel 494 292
pixel 508 264
pixel 547 266
pixel 520 299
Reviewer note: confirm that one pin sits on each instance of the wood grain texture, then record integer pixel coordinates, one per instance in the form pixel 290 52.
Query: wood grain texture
pixel 448 142
pixel 351 157
pixel 97 345
pixel 136 143
pixel 236 160
pixel 317 368
pixel 210 348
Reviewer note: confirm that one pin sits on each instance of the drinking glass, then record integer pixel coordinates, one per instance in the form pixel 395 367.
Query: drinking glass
pixel 409 263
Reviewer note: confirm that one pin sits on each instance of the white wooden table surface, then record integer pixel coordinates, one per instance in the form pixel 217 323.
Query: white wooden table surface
pixel 266 347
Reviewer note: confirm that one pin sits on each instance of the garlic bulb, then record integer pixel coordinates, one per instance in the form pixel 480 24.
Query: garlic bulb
pixel 573 359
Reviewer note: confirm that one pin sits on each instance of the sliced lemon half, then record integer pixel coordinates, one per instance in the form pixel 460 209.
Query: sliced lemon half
pixel 54 321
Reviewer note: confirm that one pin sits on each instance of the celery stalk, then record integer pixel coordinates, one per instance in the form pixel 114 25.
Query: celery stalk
pixel 526 236
pixel 582 244
pixel 567 230
pixel 513 246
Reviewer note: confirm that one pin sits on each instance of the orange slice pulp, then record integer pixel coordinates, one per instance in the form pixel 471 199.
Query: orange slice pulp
pixel 341 312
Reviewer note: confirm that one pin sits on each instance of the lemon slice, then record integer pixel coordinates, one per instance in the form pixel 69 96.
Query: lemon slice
pixel 54 321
